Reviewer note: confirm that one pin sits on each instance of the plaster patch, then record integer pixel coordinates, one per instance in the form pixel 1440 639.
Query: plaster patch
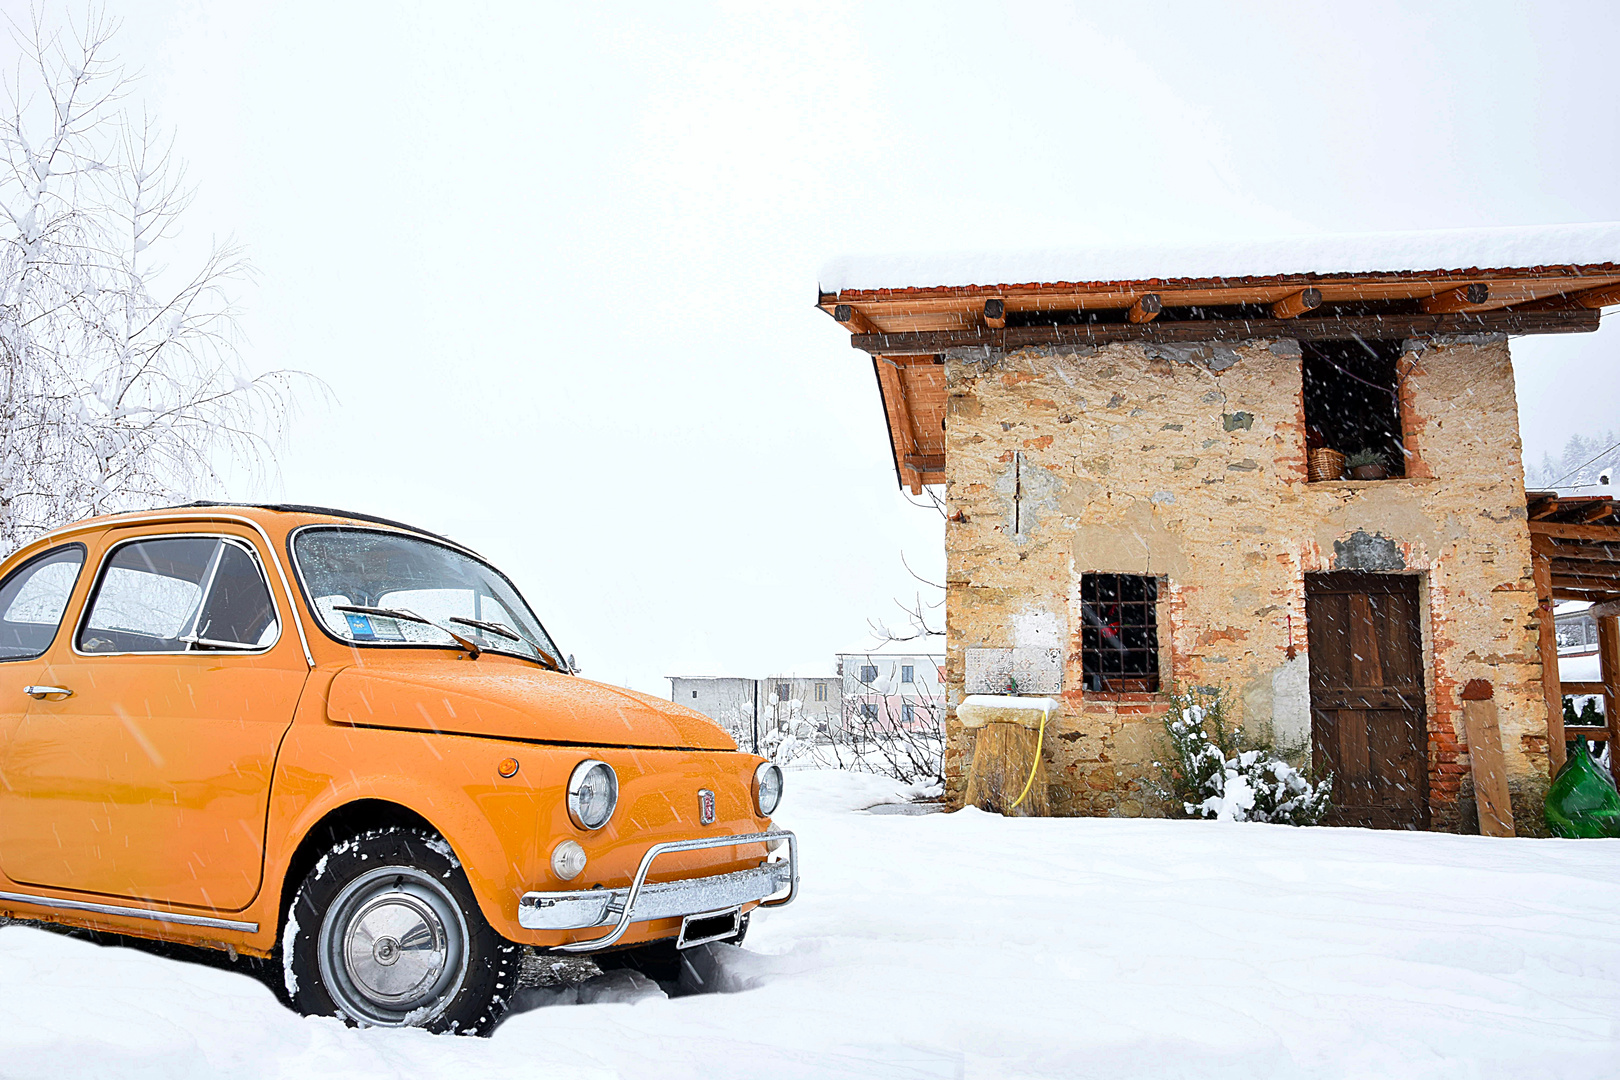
pixel 1364 551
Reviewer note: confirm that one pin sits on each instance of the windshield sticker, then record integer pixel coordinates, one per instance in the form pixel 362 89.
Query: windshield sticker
pixel 359 626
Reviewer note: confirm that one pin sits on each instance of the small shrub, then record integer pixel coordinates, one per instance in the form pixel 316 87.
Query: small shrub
pixel 1364 457
pixel 1214 770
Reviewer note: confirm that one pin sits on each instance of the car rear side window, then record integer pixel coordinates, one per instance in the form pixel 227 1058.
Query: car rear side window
pixel 32 600
pixel 180 594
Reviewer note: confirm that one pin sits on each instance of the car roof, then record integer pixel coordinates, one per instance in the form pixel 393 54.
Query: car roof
pixel 261 512
pixel 301 508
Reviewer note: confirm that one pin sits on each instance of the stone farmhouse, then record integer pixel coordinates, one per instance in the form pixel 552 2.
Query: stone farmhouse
pixel 1289 470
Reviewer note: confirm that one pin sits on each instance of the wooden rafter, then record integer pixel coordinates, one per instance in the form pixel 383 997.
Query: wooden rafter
pixel 1579 320
pixel 1462 298
pixel 1599 510
pixel 852 320
pixel 1146 308
pixel 1560 531
pixel 1573 551
pixel 1601 297
pixel 1297 304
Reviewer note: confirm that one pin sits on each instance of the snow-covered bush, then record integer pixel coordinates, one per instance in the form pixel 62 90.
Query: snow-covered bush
pixel 1215 770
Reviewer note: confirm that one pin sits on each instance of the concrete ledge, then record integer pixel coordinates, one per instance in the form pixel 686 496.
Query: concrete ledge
pixel 978 710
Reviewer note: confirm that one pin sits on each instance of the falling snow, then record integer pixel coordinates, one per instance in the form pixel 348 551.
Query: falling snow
pixel 966 944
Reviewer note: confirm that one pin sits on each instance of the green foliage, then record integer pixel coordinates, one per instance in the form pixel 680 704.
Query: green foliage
pixel 1215 770
pixel 1364 457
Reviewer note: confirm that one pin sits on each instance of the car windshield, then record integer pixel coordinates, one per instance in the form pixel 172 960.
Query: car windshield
pixel 365 568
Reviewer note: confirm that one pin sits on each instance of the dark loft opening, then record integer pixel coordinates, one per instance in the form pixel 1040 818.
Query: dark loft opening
pixel 1119 635
pixel 1352 404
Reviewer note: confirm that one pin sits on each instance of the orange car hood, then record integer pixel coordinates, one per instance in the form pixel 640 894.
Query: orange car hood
pixel 510 702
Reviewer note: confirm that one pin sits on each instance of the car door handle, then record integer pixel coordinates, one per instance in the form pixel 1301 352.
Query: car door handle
pixel 41 693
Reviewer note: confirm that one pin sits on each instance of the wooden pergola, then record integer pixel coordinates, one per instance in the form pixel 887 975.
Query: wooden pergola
pixel 907 330
pixel 1575 555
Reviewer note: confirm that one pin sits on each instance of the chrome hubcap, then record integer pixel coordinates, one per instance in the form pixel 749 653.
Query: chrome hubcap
pixel 393 947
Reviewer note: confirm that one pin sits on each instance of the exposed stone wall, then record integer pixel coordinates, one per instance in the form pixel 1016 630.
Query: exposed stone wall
pixel 1188 463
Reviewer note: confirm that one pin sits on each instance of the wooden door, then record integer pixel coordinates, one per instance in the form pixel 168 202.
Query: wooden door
pixel 1367 707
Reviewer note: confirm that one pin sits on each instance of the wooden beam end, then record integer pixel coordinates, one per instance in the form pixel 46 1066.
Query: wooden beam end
pixel 1146 308
pixel 1297 304
pixel 1462 298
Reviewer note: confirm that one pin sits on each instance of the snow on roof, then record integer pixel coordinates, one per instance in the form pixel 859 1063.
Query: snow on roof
pixel 929 645
pixel 1517 247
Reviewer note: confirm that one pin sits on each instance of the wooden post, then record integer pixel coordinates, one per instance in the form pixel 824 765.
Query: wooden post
pixel 1608 627
pixel 1485 758
pixel 1551 688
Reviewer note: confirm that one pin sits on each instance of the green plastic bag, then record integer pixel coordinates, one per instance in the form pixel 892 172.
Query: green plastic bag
pixel 1582 801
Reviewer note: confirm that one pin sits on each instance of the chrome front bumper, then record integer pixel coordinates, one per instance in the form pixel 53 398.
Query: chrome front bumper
pixel 582 909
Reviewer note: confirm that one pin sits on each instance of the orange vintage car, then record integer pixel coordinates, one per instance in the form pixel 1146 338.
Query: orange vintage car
pixel 295 731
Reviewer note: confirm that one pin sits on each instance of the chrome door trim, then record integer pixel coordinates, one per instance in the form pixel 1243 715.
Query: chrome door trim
pixel 106 559
pixel 172 917
pixel 163 517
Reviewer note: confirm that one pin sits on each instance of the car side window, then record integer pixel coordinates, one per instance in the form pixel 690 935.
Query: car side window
pixel 32 600
pixel 180 594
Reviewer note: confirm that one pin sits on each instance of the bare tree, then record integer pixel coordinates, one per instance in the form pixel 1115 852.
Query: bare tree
pixel 120 382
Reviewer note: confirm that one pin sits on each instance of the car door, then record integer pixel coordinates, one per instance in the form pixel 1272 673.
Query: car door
pixel 33 600
pixel 149 778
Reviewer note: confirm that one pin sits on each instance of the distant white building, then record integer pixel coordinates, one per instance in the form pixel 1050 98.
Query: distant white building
pixel 735 703
pixel 898 684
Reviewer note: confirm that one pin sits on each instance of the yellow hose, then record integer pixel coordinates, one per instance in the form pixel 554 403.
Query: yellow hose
pixel 1040 737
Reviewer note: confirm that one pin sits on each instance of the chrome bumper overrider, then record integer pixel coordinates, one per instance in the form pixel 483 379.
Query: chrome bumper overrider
pixel 582 909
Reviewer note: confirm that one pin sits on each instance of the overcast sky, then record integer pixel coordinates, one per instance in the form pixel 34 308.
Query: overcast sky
pixel 557 263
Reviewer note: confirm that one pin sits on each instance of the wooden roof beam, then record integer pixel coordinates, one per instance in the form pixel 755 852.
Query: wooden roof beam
pixel 1543 508
pixel 1572 551
pixel 1507 320
pixel 1462 298
pixel 1602 534
pixel 1146 308
pixel 1596 512
pixel 1297 304
pixel 1600 297
pixel 852 320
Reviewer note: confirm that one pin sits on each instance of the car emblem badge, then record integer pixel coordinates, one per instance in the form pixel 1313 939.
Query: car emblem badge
pixel 705 806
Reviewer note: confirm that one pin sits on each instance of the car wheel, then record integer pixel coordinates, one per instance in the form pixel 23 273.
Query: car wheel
pixel 384 931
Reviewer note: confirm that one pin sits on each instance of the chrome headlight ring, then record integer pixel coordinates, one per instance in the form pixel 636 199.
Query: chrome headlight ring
pixel 593 793
pixel 767 788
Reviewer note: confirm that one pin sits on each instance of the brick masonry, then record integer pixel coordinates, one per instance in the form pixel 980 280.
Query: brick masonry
pixel 1188 462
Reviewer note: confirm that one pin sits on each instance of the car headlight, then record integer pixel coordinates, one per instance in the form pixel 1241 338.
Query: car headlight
pixel 593 791
pixel 767 788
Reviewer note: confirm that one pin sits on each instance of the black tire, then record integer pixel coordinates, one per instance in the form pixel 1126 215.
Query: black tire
pixel 384 931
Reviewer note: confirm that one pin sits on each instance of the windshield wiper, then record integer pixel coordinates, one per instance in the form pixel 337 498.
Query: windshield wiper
pixel 505 631
pixel 474 650
pixel 493 627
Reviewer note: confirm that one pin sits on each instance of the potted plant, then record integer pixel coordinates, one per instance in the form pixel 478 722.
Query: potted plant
pixel 1367 465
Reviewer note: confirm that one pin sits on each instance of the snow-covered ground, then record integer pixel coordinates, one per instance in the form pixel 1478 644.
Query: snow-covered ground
pixel 966 945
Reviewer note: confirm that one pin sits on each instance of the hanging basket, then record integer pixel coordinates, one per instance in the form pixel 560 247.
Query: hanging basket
pixel 1325 464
